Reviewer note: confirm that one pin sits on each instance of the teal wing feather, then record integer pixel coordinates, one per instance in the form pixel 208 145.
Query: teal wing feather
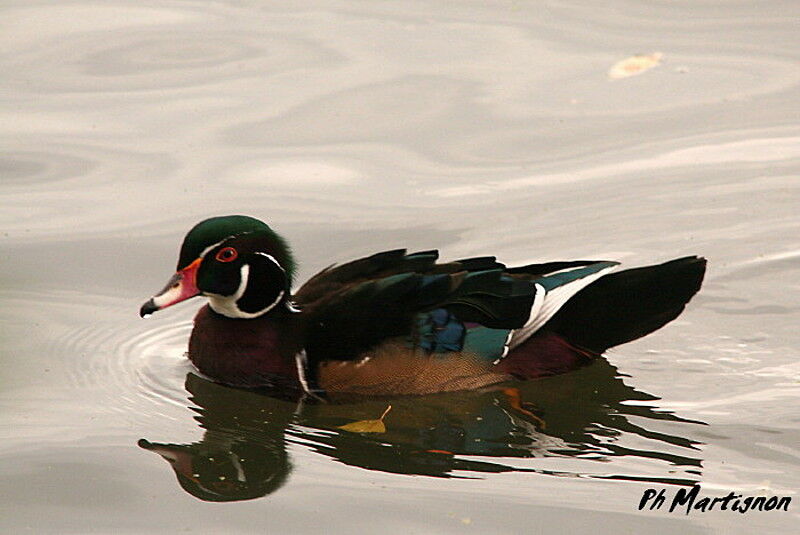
pixel 473 305
pixel 350 308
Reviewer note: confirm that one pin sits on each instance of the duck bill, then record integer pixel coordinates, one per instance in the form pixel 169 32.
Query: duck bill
pixel 182 286
pixel 179 457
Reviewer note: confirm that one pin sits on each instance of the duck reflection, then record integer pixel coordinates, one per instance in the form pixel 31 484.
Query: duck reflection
pixel 584 414
pixel 242 454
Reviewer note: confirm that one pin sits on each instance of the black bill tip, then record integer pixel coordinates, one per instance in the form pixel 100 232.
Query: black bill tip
pixel 148 308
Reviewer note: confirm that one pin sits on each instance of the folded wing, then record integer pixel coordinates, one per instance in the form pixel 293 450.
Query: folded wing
pixel 476 305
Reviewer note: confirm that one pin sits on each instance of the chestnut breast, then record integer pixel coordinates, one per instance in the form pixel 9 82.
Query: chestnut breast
pixel 243 352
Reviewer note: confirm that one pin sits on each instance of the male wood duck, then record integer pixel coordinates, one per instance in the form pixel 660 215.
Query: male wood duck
pixel 398 323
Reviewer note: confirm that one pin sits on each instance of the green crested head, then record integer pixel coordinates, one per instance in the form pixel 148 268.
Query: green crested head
pixel 211 232
pixel 238 262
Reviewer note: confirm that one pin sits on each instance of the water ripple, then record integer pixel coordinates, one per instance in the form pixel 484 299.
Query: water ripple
pixel 127 372
pixel 155 50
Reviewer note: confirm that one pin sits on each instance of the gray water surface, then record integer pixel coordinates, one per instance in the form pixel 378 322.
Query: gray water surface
pixel 353 127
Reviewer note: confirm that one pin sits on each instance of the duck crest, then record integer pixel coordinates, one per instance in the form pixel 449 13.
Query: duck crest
pixel 213 231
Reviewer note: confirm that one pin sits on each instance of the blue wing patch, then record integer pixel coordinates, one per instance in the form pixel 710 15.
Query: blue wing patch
pixel 440 331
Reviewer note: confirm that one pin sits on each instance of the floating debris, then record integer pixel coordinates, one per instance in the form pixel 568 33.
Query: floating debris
pixel 634 65
pixel 368 426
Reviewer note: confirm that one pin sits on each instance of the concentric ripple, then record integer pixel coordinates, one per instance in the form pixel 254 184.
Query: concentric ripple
pixel 122 366
pixel 147 367
pixel 151 363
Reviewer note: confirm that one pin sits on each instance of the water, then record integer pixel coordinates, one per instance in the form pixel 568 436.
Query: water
pixel 474 127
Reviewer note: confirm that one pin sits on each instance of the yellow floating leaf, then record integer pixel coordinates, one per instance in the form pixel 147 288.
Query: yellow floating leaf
pixel 368 426
pixel 365 426
pixel 634 65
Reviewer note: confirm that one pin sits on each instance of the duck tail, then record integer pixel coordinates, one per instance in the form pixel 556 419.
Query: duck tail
pixel 624 306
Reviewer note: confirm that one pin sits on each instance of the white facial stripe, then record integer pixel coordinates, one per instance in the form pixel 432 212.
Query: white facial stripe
pixel 289 305
pixel 207 249
pixel 226 305
pixel 264 310
pixel 272 259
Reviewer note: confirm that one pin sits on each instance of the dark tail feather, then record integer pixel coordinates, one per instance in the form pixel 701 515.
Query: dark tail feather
pixel 627 305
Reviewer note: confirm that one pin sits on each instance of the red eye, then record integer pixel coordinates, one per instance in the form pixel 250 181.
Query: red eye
pixel 228 254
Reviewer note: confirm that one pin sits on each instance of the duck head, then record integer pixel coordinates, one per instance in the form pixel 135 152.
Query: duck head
pixel 238 262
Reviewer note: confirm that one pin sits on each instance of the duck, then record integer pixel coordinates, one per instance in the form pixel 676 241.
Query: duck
pixel 400 323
